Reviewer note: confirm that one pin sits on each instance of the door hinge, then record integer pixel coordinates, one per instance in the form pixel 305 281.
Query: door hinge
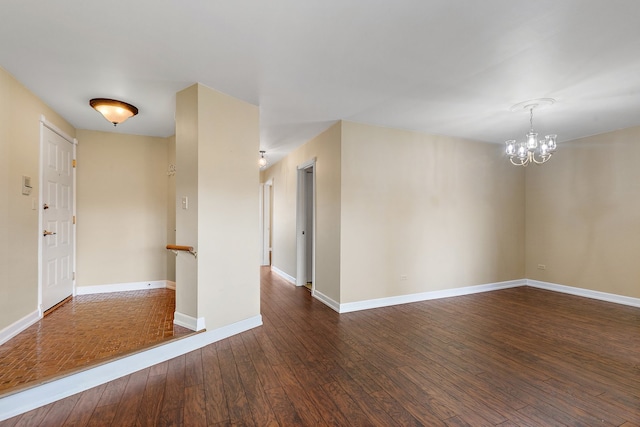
pixel 73 163
pixel 74 219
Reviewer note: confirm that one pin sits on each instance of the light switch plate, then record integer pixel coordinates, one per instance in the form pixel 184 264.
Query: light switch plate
pixel 26 185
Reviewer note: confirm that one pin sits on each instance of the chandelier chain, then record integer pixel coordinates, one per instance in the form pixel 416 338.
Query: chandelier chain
pixel 531 118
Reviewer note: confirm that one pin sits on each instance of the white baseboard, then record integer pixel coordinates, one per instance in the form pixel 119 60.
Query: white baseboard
pixel 587 293
pixel 284 275
pixel 424 296
pixel 122 287
pixel 170 285
pixel 18 326
pixel 32 398
pixel 332 304
pixel 188 322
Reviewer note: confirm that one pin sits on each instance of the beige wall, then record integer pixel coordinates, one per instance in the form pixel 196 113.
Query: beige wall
pixel 171 208
pixel 187 186
pixel 228 195
pixel 444 212
pixel 122 221
pixel 20 113
pixel 583 215
pixel 217 139
pixel 391 203
pixel 326 149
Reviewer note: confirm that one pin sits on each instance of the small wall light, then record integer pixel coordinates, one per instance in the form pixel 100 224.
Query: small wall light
pixel 113 110
pixel 262 162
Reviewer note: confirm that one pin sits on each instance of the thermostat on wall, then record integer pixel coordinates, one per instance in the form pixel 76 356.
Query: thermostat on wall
pixel 26 185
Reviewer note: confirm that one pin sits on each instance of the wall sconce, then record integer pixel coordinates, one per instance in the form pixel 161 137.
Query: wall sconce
pixel 262 162
pixel 113 110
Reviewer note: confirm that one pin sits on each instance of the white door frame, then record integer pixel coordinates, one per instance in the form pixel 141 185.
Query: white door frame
pixel 74 142
pixel 300 227
pixel 265 220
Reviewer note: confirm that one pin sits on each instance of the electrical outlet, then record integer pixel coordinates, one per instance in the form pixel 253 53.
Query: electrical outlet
pixel 542 267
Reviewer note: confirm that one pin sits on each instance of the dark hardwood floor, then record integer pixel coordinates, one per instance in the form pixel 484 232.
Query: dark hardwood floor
pixel 516 357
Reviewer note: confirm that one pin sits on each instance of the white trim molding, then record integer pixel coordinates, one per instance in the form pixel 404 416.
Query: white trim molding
pixel 32 398
pixel 170 284
pixel 122 287
pixel 189 322
pixel 332 304
pixel 587 293
pixel 284 275
pixel 19 325
pixel 424 296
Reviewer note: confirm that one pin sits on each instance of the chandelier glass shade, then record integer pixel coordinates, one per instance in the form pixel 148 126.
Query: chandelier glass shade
pixel 532 149
pixel 113 110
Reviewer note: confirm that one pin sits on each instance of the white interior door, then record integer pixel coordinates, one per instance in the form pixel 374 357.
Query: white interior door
pixel 57 231
pixel 306 225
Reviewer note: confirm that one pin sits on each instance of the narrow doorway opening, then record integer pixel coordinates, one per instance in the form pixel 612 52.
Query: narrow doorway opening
pixel 306 226
pixel 266 206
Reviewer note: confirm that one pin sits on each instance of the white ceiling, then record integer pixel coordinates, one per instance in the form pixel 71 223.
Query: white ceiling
pixel 452 67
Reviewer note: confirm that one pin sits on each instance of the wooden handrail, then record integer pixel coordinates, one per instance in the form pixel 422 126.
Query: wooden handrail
pixel 180 248
pixel 176 248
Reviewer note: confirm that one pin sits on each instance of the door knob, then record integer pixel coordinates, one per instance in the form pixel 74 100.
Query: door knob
pixel 48 233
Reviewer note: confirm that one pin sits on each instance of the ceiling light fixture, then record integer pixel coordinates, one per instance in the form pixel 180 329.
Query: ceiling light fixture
pixel 113 110
pixel 262 162
pixel 531 150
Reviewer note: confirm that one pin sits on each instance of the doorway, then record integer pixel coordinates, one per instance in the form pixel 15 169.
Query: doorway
pixel 56 214
pixel 266 222
pixel 306 225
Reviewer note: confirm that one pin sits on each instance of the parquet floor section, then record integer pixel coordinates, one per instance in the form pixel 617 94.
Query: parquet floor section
pixel 515 357
pixel 87 330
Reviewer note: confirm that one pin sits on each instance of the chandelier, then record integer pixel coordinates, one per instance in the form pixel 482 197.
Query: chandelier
pixel 531 150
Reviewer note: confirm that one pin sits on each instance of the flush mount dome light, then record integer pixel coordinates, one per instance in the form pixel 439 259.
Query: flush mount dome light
pixel 113 110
